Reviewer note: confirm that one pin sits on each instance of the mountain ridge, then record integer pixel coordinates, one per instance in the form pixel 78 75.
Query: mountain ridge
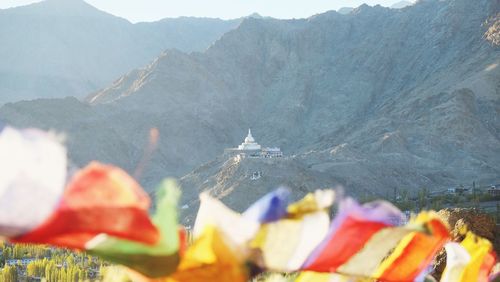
pixel 375 100
pixel 61 48
pixel 401 4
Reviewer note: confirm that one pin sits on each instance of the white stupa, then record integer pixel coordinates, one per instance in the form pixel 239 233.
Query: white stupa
pixel 249 144
pixel 251 149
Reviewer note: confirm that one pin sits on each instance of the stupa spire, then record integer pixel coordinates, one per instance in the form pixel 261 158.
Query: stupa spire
pixel 249 139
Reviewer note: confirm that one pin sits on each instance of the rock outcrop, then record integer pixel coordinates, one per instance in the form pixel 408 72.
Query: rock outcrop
pixel 474 220
pixel 493 32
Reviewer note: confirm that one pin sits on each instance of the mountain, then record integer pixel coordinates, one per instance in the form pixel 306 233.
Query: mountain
pixel 377 100
pixel 401 4
pixel 345 10
pixel 59 48
pixel 231 179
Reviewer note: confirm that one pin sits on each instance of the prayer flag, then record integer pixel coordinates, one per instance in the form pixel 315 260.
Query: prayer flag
pixel 209 259
pixel 269 208
pixel 33 175
pixel 98 199
pixel 158 260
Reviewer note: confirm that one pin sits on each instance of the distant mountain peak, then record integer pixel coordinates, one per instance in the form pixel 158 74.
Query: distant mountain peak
pixel 66 3
pixel 365 8
pixel 83 49
pixel 255 16
pixel 62 9
pixel 401 4
pixel 345 10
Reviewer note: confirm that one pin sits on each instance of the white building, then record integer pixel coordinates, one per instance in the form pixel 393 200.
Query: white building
pixel 250 148
pixel 249 144
pixel 272 152
pixel 22 261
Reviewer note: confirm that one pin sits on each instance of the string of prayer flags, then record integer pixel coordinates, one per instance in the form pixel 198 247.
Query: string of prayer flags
pixel 368 235
pixel 351 229
pixel 303 226
pixel 98 199
pixel 286 244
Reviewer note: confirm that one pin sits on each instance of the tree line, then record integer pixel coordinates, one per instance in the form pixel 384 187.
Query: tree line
pixel 49 264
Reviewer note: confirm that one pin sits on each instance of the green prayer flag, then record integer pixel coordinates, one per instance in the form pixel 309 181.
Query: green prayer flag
pixel 157 260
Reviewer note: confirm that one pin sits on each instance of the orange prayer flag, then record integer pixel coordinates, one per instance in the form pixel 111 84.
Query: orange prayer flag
pixel 415 252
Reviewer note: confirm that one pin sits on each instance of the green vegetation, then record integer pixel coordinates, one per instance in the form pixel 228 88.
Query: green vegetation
pixel 8 274
pixel 24 262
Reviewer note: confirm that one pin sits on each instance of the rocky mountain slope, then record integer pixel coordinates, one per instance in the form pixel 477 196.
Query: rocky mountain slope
pixel 59 48
pixel 373 100
pixel 243 181
pixel 493 32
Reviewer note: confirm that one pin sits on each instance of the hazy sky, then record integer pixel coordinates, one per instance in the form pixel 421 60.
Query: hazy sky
pixel 150 10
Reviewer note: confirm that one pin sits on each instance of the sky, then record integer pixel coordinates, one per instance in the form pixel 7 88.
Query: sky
pixel 151 10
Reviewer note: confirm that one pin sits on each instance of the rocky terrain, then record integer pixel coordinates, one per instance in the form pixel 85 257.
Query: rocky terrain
pixel 243 181
pixel 59 48
pixel 493 32
pixel 372 100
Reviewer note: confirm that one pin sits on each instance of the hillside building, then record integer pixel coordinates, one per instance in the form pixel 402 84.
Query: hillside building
pixel 493 190
pixel 249 144
pixel 22 261
pixel 250 148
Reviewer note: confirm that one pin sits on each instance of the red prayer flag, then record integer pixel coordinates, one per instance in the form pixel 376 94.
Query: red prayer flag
pixel 350 238
pixel 99 199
